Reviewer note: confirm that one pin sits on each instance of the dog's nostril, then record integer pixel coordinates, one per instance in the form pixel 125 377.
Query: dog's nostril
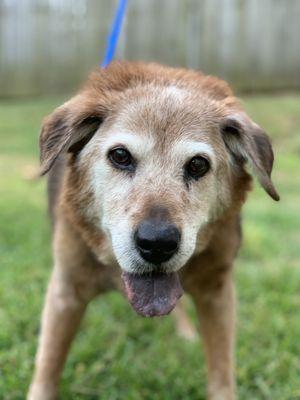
pixel 157 242
pixel 144 243
pixel 171 246
pixel 165 245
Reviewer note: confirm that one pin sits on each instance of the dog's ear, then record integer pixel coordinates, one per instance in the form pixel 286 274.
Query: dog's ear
pixel 247 142
pixel 69 128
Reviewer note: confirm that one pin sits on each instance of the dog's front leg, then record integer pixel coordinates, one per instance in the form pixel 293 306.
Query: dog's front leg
pixel 64 308
pixel 215 304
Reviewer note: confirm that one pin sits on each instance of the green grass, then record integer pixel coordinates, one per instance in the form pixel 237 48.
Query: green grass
pixel 118 355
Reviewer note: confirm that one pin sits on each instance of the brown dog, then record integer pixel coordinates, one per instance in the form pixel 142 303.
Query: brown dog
pixel 146 182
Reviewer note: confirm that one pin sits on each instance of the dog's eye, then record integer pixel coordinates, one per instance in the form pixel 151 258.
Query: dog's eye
pixel 121 158
pixel 197 167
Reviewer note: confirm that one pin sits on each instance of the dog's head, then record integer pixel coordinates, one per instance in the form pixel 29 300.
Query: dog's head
pixel 160 153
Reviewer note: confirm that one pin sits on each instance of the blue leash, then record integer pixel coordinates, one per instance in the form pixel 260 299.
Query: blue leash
pixel 114 34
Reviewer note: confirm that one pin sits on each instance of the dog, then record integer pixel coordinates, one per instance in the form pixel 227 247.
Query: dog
pixel 147 175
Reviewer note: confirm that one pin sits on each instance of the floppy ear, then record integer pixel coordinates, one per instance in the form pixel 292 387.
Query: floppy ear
pixel 69 128
pixel 248 142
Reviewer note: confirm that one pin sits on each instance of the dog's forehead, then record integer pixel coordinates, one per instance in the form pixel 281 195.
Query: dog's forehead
pixel 168 112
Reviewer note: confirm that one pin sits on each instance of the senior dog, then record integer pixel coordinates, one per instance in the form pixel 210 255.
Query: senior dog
pixel 146 179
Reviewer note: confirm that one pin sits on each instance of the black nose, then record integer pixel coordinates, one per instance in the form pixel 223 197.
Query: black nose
pixel 157 241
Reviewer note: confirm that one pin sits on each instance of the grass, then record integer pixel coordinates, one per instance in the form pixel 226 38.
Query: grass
pixel 118 355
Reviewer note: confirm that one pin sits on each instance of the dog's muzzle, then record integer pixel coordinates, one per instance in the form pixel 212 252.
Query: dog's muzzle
pixel 156 292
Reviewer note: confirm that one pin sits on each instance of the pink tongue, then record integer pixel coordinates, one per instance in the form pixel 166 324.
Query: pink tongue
pixel 152 296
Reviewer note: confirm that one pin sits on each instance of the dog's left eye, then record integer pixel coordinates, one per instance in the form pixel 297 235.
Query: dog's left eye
pixel 197 167
pixel 121 158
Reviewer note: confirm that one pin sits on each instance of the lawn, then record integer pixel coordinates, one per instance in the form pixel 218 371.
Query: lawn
pixel 118 355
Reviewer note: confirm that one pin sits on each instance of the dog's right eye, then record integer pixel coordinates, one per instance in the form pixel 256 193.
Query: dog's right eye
pixel 121 158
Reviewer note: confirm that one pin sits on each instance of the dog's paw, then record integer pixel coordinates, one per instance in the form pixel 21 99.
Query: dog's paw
pixel 187 332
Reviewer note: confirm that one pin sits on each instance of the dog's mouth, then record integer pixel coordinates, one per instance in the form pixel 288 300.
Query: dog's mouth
pixel 152 295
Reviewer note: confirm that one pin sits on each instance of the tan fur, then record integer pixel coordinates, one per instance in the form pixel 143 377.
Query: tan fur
pixel 164 107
